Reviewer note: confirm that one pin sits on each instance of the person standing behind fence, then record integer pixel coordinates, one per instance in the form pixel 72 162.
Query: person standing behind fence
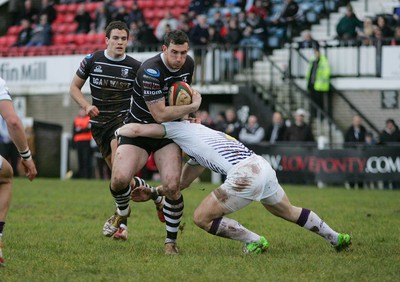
pixel 17 135
pixel 82 137
pixel 318 81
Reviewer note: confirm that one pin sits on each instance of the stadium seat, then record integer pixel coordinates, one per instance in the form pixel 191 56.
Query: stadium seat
pixel 60 18
pixel 58 39
pixel 69 38
pixel 59 28
pixel 170 4
pixel 61 8
pixel 148 14
pixel 4 51
pixel 145 4
pixel 13 30
pixel 159 13
pixel 69 18
pixel 71 27
pixel 80 39
pixel 100 38
pixel 92 6
pixel 72 8
pixel 182 3
pixel 7 40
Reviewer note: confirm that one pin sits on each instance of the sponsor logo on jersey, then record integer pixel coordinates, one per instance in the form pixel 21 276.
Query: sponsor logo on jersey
pixel 148 92
pixel 98 69
pixel 124 72
pixel 89 56
pixel 151 85
pixel 152 72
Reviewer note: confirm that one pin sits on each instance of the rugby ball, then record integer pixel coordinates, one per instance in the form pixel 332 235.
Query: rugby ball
pixel 179 94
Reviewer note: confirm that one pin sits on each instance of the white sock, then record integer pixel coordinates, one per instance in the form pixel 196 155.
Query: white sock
pixel 315 224
pixel 230 228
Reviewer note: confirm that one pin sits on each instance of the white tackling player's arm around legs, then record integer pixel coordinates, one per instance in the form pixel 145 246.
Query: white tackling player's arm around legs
pixel 133 130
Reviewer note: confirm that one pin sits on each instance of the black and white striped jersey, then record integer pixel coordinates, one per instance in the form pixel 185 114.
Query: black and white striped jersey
pixel 111 84
pixel 152 83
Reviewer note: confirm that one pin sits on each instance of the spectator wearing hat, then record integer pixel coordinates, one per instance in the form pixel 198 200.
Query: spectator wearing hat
pixel 318 81
pixel 300 131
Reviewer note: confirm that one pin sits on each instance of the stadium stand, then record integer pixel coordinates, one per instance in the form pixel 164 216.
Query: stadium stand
pixel 66 42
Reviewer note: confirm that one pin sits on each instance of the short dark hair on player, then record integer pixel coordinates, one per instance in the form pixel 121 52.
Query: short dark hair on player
pixel 177 37
pixel 116 25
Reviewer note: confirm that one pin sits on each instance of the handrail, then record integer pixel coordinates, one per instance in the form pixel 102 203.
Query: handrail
pixel 342 96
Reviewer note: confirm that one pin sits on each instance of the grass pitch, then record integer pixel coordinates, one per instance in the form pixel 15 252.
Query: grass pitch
pixel 53 233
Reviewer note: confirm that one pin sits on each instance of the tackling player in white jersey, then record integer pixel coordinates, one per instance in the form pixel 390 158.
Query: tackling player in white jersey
pixel 249 178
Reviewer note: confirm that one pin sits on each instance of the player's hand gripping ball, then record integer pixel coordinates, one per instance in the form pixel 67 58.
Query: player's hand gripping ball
pixel 179 94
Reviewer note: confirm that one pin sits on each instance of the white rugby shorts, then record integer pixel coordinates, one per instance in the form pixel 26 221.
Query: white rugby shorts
pixel 251 180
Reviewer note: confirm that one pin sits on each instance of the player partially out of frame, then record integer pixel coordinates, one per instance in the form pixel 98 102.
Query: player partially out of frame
pixel 249 178
pixel 17 135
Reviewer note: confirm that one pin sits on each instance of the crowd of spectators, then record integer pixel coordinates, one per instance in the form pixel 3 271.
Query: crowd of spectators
pixel 382 29
pixel 218 22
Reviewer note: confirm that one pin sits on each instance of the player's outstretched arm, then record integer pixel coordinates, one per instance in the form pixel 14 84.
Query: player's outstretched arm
pixel 133 130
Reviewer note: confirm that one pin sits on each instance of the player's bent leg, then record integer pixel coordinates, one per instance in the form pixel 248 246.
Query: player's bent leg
pixel 169 162
pixel 209 216
pixel 306 219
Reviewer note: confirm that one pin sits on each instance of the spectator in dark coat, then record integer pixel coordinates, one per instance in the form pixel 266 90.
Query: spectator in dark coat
pixel 348 25
pixel 356 132
pixel 41 35
pixel 300 131
pixel 83 19
pixel 48 9
pixel 390 133
pixel 276 130
pixel 24 34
